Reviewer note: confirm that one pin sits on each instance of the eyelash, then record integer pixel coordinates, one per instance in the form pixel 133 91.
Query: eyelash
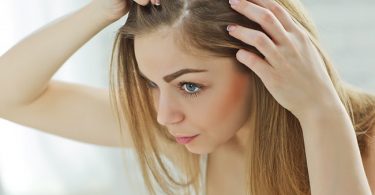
pixel 150 84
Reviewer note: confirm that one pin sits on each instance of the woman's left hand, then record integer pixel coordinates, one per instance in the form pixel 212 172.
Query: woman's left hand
pixel 292 71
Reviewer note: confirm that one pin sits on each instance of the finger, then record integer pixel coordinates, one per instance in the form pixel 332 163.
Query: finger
pixel 284 17
pixel 263 17
pixel 256 64
pixel 257 39
pixel 142 2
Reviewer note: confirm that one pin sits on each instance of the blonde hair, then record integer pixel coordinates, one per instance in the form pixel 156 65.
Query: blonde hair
pixel 278 164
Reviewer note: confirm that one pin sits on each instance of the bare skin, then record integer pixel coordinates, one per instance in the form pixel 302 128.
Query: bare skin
pixel 291 63
pixel 28 101
pixel 285 78
pixel 215 106
pixel 225 90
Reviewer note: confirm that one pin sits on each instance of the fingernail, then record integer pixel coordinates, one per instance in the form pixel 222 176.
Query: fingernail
pixel 231 27
pixel 157 2
pixel 234 2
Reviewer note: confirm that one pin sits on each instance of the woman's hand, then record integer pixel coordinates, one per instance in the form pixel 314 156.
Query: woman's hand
pixel 292 71
pixel 145 2
pixel 115 9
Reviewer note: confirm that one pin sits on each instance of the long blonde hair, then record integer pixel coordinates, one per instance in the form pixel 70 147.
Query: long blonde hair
pixel 278 164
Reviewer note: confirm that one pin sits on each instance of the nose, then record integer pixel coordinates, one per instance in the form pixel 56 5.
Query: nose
pixel 168 110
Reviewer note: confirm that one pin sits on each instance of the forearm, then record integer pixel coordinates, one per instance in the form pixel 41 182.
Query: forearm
pixel 25 69
pixel 332 152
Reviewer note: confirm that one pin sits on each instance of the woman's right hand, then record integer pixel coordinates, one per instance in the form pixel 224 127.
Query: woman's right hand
pixel 115 9
pixel 145 2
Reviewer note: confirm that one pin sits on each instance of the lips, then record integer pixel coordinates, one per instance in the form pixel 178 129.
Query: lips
pixel 185 135
pixel 182 135
pixel 185 140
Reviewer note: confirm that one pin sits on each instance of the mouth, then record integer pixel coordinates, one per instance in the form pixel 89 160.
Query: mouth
pixel 185 139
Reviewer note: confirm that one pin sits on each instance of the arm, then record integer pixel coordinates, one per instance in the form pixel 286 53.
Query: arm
pixel 74 111
pixel 333 156
pixel 295 74
pixel 25 71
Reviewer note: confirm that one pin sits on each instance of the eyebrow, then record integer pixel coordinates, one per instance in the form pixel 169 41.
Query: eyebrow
pixel 171 77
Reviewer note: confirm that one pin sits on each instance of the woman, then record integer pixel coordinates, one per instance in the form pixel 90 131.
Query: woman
pixel 243 87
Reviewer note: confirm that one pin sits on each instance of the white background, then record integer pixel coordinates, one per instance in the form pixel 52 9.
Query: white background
pixel 36 163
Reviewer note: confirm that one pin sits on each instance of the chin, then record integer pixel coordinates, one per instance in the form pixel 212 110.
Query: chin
pixel 199 150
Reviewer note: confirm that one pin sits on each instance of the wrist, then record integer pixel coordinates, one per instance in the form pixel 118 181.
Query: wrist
pixel 97 15
pixel 328 110
pixel 326 102
pixel 324 116
pixel 107 12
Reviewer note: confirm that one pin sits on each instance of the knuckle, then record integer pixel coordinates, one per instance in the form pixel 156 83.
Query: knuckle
pixel 251 58
pixel 303 36
pixel 259 39
pixel 267 17
pixel 288 39
pixel 276 9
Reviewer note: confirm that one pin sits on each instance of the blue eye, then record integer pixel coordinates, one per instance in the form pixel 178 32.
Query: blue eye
pixel 189 89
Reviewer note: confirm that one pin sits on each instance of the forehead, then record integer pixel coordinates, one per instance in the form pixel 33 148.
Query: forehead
pixel 159 51
pixel 160 48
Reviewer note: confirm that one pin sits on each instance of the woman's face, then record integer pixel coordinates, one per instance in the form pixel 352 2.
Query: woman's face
pixel 213 100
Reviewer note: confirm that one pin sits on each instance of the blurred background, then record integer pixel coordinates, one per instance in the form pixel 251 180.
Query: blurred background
pixel 37 163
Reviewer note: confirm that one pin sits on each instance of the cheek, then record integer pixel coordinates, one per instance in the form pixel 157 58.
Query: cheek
pixel 228 108
pixel 230 101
